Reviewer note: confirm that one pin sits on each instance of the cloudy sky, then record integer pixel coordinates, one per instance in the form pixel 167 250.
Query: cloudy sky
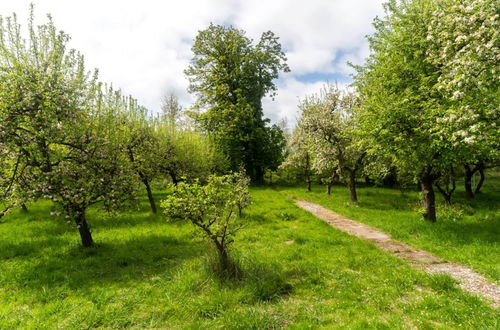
pixel 144 46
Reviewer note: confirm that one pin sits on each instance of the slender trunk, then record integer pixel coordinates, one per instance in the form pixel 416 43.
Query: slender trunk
pixel 481 181
pixel 352 186
pixel 445 194
pixel 308 174
pixel 223 256
pixel 428 198
pixel 83 228
pixel 468 182
pixel 329 188
pixel 150 195
pixel 24 208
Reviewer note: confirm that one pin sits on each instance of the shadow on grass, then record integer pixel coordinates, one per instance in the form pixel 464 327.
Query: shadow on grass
pixel 263 281
pixel 82 268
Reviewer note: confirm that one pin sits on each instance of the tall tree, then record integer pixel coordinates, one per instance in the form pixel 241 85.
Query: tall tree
pixel 230 76
pixel 401 107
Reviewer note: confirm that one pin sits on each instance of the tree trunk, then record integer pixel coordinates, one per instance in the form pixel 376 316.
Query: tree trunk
pixel 352 186
pixel 329 188
pixel 84 230
pixel 307 172
pixel 150 195
pixel 2 213
pixel 445 194
pixel 481 181
pixel 428 198
pixel 468 182
pixel 259 175
pixel 24 208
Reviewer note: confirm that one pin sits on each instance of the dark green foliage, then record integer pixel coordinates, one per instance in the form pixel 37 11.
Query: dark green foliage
pixel 230 76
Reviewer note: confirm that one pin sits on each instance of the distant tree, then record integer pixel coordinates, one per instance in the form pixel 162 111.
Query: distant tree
pixel 327 120
pixel 300 158
pixel 230 76
pixel 170 108
pixel 212 208
pixel 187 155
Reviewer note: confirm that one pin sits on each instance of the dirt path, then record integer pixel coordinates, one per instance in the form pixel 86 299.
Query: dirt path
pixel 468 279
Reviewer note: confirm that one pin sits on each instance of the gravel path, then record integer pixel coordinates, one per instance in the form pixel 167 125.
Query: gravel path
pixel 468 279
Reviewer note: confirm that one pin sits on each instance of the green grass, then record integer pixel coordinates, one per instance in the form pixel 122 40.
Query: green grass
pixel 298 272
pixel 467 232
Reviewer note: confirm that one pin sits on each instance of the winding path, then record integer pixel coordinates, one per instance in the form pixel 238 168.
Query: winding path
pixel 468 279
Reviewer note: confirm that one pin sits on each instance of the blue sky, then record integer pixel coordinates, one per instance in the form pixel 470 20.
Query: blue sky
pixel 144 46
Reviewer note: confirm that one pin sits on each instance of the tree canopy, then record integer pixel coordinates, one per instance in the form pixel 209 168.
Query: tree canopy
pixel 229 76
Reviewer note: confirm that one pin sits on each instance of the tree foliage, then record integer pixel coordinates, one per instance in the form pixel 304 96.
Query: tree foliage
pixel 212 208
pixel 230 76
pixel 56 123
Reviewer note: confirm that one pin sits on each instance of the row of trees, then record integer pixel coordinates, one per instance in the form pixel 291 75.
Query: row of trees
pixel 67 137
pixel 425 105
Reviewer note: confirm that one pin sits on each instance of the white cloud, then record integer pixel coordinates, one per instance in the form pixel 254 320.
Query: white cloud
pixel 144 46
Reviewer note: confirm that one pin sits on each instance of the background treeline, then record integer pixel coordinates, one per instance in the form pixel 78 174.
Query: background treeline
pixel 67 137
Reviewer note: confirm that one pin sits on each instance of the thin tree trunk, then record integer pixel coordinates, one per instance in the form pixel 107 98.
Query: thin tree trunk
pixel 428 198
pixel 150 195
pixel 308 174
pixel 446 195
pixel 468 182
pixel 329 188
pixel 481 181
pixel 83 228
pixel 352 186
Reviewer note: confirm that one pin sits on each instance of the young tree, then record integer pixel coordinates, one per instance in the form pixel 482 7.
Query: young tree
pixel 211 207
pixel 230 76
pixel 328 121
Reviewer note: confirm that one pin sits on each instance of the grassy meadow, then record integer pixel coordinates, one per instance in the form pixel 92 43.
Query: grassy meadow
pixel 296 272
